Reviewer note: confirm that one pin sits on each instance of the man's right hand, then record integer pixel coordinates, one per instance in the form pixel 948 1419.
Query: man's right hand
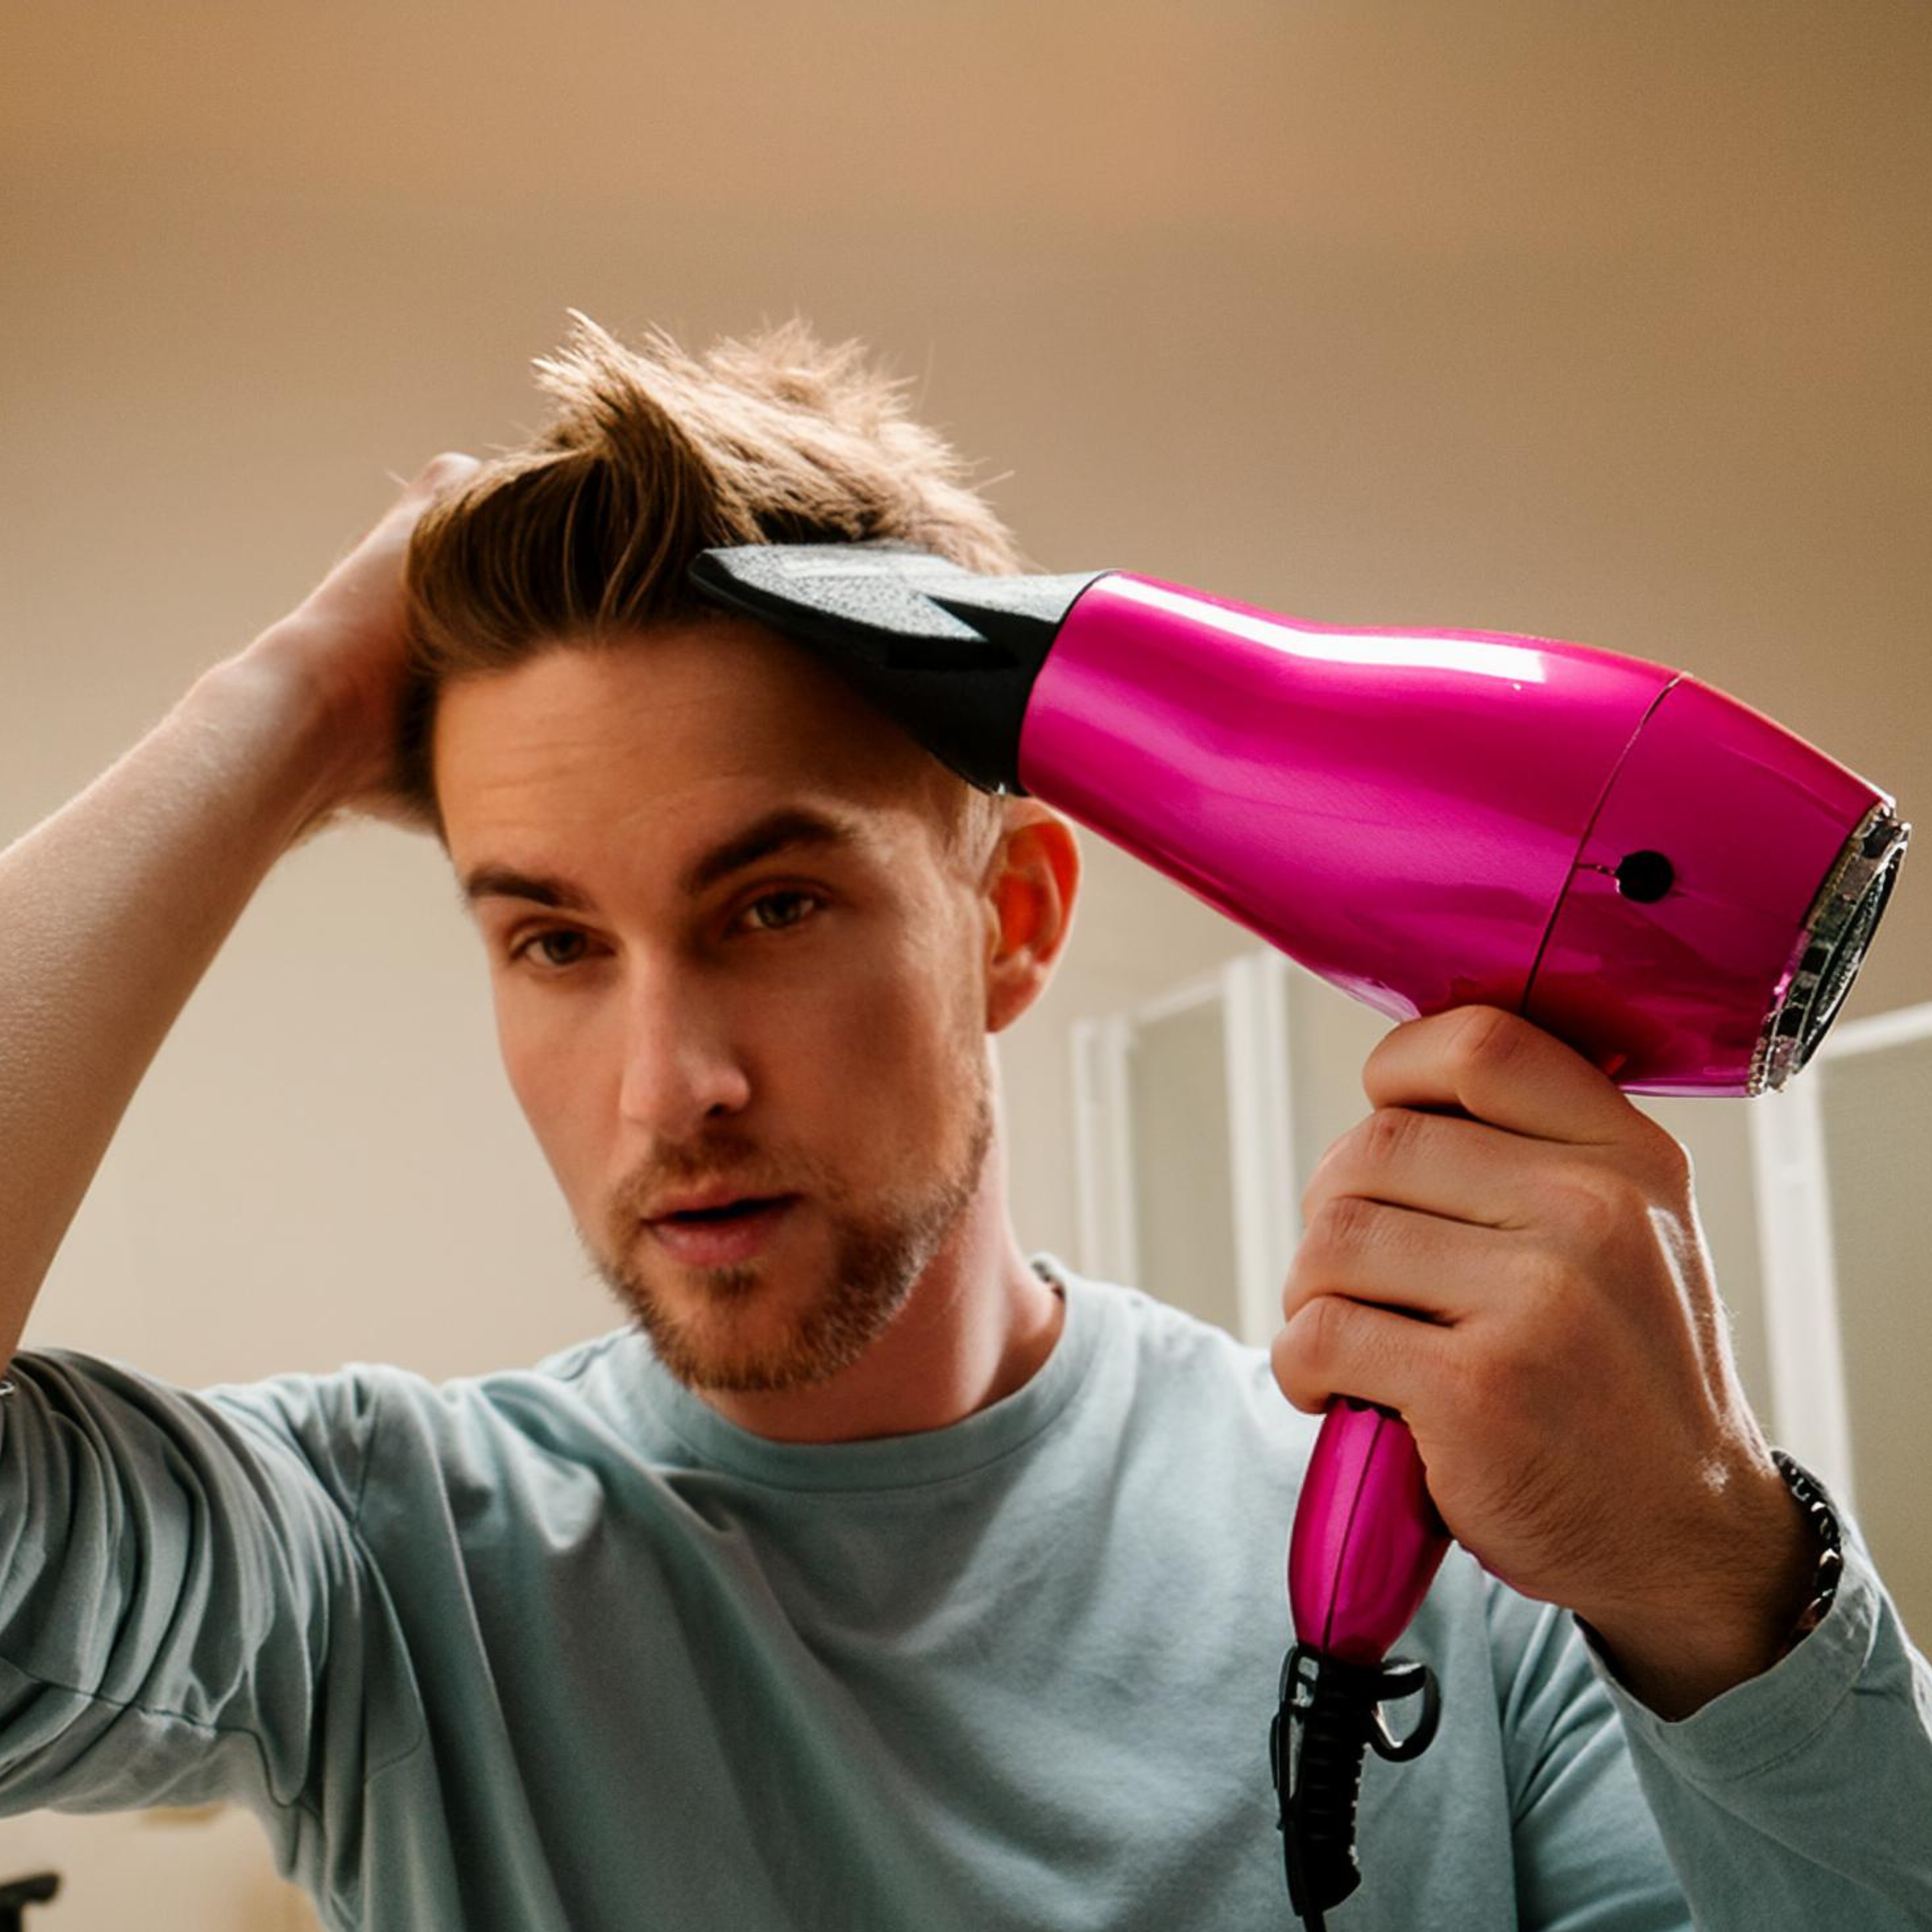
pixel 345 641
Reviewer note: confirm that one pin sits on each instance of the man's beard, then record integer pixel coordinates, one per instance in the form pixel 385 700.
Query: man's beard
pixel 878 1255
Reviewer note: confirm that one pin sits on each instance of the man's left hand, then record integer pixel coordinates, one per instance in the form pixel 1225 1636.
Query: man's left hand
pixel 1507 1252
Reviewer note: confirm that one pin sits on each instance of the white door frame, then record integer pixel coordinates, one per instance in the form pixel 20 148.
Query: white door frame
pixel 1811 1408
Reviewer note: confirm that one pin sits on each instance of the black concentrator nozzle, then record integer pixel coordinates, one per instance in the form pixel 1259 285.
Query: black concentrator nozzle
pixel 947 653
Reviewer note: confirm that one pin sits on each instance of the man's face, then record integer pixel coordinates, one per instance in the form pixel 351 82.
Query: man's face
pixel 693 1013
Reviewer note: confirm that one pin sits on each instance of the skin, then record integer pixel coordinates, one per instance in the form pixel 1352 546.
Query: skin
pixel 1506 1250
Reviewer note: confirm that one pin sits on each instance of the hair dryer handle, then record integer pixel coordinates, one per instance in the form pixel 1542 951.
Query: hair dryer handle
pixel 1367 1543
pixel 1367 1540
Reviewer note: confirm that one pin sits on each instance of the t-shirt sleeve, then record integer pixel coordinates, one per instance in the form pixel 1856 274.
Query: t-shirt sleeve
pixel 186 1612
pixel 1587 1853
pixel 1803 1797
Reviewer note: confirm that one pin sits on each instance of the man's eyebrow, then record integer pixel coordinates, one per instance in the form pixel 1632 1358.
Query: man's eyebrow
pixel 505 882
pixel 777 832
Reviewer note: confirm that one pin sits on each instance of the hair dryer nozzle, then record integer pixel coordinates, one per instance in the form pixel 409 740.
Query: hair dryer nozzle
pixel 950 654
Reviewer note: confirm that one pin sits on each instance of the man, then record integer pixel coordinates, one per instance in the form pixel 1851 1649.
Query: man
pixel 873 1574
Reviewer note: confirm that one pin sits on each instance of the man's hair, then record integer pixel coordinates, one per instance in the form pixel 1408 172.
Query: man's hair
pixel 584 533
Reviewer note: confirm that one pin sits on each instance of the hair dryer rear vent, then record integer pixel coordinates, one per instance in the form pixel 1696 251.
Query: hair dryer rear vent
pixel 1832 947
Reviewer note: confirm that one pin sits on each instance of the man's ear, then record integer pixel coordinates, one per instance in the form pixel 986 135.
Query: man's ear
pixel 1029 885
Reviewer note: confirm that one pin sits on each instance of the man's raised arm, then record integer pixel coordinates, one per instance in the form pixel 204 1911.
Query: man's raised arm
pixel 112 910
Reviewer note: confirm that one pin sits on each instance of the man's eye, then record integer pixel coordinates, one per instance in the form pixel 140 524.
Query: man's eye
pixel 779 910
pixel 556 949
pixel 542 941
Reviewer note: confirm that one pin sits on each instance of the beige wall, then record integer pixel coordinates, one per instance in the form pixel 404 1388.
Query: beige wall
pixel 1606 322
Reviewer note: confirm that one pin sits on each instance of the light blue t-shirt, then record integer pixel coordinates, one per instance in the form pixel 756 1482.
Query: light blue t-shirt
pixel 562 1650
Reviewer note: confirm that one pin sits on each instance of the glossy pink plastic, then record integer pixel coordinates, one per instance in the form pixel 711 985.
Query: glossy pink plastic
pixel 1367 1540
pixel 1435 818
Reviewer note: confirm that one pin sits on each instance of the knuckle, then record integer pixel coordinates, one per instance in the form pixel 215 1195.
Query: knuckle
pixel 1321 1323
pixel 1285 1360
pixel 1486 1038
pixel 1342 1224
pixel 1596 1205
pixel 1301 1353
pixel 1548 1274
pixel 1333 1173
pixel 1594 1211
pixel 1395 1041
pixel 1389 1134
pixel 1667 1157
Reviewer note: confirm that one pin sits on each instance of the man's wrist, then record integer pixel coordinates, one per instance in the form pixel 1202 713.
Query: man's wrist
pixel 1732 1620
pixel 275 687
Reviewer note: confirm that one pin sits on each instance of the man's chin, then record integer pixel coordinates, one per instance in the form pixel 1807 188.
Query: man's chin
pixel 737 1344
pixel 742 1331
pixel 808 1304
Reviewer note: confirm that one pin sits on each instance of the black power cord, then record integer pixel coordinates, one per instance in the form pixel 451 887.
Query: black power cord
pixel 1330 1715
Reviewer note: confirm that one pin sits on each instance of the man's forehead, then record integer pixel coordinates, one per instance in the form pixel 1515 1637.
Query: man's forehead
pixel 684 756
pixel 607 729
pixel 818 826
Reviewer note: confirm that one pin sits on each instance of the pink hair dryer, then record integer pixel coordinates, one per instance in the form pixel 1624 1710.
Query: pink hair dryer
pixel 1656 874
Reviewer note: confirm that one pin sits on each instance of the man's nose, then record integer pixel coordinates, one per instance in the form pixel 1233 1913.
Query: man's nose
pixel 682 1064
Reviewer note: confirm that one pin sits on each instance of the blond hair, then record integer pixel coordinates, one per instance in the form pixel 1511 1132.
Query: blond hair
pixel 584 534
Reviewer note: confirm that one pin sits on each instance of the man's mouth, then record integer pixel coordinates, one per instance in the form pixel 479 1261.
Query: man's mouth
pixel 724 1210
pixel 731 1232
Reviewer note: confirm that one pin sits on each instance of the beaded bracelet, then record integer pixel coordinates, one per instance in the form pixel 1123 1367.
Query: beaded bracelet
pixel 1830 1538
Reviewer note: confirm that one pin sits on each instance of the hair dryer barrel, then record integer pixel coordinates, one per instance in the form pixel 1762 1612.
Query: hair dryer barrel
pixel 1398 811
pixel 1659 874
pixel 1430 819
